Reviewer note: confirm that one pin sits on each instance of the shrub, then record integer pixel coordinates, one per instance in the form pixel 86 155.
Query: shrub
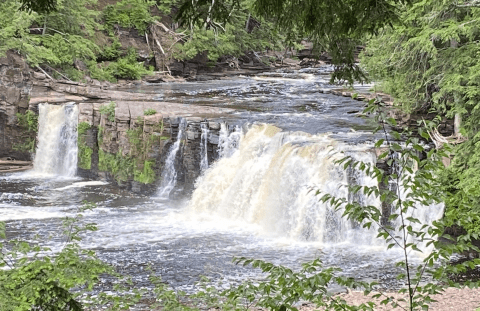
pixel 149 112
pixel 108 111
pixel 34 278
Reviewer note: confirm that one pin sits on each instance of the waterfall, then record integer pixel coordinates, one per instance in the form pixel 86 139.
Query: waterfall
pixel 271 179
pixel 169 173
pixel 57 150
pixel 228 142
pixel 203 147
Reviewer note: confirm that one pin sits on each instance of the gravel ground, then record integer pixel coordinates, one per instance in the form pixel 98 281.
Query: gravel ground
pixel 452 299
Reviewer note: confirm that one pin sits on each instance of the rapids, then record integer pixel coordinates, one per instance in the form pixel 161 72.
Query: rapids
pixel 257 200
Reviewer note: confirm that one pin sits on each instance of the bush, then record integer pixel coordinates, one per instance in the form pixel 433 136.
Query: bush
pixel 128 13
pixel 125 67
pixel 149 112
pixel 108 111
pixel 34 278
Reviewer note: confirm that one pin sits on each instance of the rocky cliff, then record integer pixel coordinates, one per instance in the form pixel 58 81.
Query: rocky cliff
pixel 130 148
pixel 124 137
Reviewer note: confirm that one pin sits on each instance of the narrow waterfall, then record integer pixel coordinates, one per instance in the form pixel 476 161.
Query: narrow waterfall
pixel 57 150
pixel 271 179
pixel 203 147
pixel 228 141
pixel 169 173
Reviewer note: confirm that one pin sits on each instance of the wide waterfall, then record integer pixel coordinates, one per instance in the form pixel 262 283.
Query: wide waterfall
pixel 271 180
pixel 57 149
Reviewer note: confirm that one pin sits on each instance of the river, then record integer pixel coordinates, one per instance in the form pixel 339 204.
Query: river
pixel 255 201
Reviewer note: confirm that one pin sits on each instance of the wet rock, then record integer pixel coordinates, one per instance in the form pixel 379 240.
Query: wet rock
pixel 39 75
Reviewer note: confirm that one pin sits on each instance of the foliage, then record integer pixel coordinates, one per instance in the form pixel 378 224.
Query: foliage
pixel 146 175
pixel 334 26
pixel 429 62
pixel 36 279
pixel 141 144
pixel 61 37
pixel 66 32
pixel 108 110
pixel 128 68
pixel 128 14
pixel 73 73
pixel 165 6
pixel 28 121
pixel 29 124
pixel 121 167
pixel 233 38
pixel 84 152
pixel 40 6
pixel 149 112
pixel 461 182
pixel 415 186
pixel 28 145
pixel 112 51
pixel 125 67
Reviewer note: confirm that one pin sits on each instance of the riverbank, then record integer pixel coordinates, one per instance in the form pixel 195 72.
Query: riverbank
pixel 458 299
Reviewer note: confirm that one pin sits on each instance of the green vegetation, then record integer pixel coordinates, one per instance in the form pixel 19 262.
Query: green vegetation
pixel 128 14
pixel 108 110
pixel 125 67
pixel 29 124
pixel 28 120
pixel 149 112
pixel 59 38
pixel 121 167
pixel 34 278
pixel 146 175
pixel 429 63
pixel 137 164
pixel 84 152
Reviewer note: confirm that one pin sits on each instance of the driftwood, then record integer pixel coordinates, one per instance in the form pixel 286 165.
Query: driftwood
pixel 159 31
pixel 45 73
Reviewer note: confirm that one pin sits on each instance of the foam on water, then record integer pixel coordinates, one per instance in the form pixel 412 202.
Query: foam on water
pixel 82 184
pixel 268 181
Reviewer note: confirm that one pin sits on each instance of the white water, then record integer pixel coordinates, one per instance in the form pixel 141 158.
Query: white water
pixel 203 147
pixel 270 182
pixel 169 173
pixel 228 141
pixel 57 150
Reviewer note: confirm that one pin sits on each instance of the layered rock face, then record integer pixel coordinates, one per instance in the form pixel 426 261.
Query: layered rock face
pixel 124 137
pixel 16 84
pixel 130 148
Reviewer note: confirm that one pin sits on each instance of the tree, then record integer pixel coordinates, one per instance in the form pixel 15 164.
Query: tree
pixel 39 6
pixel 429 63
pixel 333 26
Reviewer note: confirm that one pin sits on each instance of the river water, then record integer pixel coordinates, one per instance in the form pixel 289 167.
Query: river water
pixel 255 201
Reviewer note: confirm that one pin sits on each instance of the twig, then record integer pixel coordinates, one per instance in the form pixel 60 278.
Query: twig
pixel 59 73
pixel 48 76
pixel 146 38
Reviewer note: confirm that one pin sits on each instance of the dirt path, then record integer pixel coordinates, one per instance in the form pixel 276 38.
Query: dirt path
pixel 452 299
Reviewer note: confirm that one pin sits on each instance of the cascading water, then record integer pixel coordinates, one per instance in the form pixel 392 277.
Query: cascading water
pixel 228 141
pixel 270 181
pixel 57 149
pixel 169 174
pixel 203 147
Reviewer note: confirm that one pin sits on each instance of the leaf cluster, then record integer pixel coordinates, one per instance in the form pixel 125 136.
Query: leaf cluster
pixel 128 14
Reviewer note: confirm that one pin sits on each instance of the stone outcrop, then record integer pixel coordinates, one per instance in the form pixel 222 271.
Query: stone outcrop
pixel 128 147
pixel 16 84
pixel 122 148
